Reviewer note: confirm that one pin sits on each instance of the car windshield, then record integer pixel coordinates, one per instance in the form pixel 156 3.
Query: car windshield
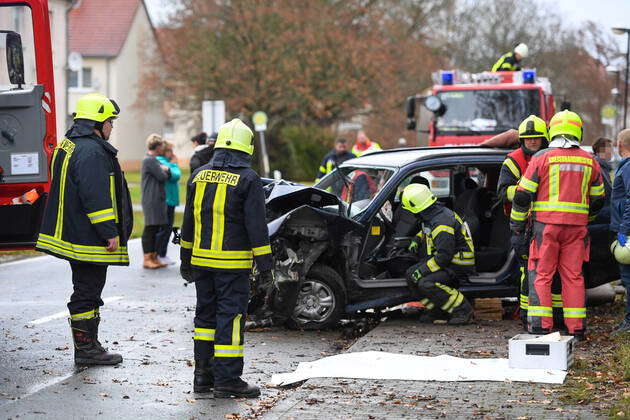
pixel 355 185
pixel 470 112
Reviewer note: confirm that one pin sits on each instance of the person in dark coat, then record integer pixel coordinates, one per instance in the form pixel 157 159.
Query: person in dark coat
pixel 602 152
pixel 154 177
pixel 88 219
pixel 203 150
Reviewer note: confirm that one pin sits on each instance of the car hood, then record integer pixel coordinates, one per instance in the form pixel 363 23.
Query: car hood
pixel 282 197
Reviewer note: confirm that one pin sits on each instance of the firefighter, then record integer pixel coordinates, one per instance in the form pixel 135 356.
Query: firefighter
pixel 364 145
pixel 511 61
pixel 88 219
pixel 533 136
pixel 563 185
pixel 224 232
pixel 335 157
pixel 449 256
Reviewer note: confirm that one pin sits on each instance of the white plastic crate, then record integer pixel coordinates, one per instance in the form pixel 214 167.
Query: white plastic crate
pixel 527 353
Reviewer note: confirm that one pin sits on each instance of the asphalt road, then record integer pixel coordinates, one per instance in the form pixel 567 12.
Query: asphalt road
pixel 148 317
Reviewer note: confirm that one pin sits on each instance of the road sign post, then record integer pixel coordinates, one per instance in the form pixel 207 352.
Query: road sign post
pixel 260 125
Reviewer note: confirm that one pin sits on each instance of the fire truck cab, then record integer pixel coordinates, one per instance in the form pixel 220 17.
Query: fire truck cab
pixel 466 109
pixel 27 119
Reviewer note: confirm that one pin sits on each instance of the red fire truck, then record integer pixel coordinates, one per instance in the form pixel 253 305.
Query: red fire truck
pixel 469 108
pixel 27 119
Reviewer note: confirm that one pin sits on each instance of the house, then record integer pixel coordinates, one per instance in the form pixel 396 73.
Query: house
pixel 116 39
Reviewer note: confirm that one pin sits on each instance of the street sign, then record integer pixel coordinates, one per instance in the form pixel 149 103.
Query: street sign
pixel 75 61
pixel 608 112
pixel 260 121
pixel 212 116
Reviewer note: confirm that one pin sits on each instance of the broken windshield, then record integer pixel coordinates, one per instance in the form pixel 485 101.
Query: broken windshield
pixel 355 185
pixel 470 112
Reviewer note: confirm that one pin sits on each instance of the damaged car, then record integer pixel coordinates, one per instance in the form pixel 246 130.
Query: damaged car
pixel 339 246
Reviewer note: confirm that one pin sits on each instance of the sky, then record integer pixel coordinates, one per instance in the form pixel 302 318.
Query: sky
pixel 607 13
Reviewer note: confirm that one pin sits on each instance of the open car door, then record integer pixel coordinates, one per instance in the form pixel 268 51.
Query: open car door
pixel 27 120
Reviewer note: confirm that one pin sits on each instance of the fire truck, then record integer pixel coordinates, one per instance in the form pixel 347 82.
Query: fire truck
pixel 466 109
pixel 27 119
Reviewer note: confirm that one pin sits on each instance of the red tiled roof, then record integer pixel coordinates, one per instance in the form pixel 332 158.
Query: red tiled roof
pixel 100 27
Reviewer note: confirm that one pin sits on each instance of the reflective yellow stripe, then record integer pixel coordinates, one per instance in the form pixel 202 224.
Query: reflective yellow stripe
pixel 586 179
pixel 524 301
pixel 79 248
pixel 84 315
pixel 512 167
pixel 596 190
pixel 227 264
pixel 511 190
pixel 518 215
pixel 114 258
pixel 62 192
pixel 204 334
pixel 528 185
pixel 112 194
pixel 433 265
pixel 463 261
pixel 540 311
pixel 200 188
pixel 574 312
pixel 262 250
pixel 218 217
pixel 185 244
pixel 222 255
pixel 442 228
pixel 101 216
pixel 560 206
pixel 236 330
pixel 226 350
pixel 554 183
pixel 454 300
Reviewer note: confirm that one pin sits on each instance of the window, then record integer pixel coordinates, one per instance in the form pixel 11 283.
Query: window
pixel 80 79
pixel 17 19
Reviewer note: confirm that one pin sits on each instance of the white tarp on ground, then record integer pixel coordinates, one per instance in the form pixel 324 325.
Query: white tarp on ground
pixel 381 365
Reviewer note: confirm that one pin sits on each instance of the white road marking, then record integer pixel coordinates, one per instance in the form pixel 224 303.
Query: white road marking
pixel 65 313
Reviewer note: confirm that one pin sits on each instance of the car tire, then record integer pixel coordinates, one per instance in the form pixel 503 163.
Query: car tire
pixel 320 301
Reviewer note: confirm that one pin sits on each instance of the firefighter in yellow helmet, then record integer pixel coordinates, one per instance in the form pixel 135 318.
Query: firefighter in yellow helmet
pixel 447 256
pixel 511 61
pixel 224 233
pixel 88 219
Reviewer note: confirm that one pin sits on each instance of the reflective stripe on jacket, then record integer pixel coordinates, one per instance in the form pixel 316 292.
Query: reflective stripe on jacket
pixel 359 150
pixel 88 201
pixel 507 62
pixel 560 183
pixel 224 222
pixel 328 163
pixel 514 166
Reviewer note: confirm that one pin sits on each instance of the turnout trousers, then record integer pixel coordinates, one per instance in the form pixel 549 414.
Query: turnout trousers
pixel 222 298
pixel 561 248
pixel 88 281
pixel 439 290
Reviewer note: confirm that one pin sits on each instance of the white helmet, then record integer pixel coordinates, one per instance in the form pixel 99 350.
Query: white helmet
pixel 522 50
pixel 621 253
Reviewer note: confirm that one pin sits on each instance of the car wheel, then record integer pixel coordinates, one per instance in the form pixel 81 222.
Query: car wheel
pixel 320 300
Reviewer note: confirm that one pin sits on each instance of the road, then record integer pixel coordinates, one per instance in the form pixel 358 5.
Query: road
pixel 148 317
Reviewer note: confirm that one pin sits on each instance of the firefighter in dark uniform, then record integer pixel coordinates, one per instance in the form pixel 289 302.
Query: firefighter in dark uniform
pixel 224 233
pixel 511 61
pixel 448 255
pixel 88 219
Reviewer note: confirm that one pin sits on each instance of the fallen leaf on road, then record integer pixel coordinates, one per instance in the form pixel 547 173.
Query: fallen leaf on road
pixel 190 400
pixel 104 395
pixel 61 348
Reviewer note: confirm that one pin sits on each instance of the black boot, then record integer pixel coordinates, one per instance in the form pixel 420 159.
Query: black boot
pixel 430 315
pixel 204 361
pixel 462 314
pixel 87 349
pixel 237 389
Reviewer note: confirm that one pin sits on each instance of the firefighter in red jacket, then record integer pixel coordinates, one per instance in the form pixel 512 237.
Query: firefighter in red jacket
pixel 564 186
pixel 533 136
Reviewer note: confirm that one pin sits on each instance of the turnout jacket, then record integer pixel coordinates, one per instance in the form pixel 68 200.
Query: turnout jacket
pixel 563 186
pixel 620 200
pixel 224 225
pixel 88 202
pixel 507 62
pixel 446 242
pixel 513 168
pixel 329 161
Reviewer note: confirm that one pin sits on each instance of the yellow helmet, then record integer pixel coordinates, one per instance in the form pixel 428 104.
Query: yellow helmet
pixel 532 127
pixel 235 135
pixel 96 107
pixel 417 197
pixel 566 122
pixel 621 253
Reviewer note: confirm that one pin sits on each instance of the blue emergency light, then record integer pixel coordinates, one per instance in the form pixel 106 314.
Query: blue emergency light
pixel 529 76
pixel 447 77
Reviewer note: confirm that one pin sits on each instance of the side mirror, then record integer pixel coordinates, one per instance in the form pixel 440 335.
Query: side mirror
pixel 410 107
pixel 15 58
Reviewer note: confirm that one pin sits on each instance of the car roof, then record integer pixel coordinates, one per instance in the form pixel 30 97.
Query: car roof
pixel 397 158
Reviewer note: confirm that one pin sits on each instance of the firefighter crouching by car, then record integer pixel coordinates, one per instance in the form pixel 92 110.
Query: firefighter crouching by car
pixel 224 232
pixel 88 219
pixel 564 186
pixel 533 136
pixel 449 256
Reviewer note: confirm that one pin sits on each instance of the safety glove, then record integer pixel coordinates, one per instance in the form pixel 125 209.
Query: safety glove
pixel 186 272
pixel 413 274
pixel 413 246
